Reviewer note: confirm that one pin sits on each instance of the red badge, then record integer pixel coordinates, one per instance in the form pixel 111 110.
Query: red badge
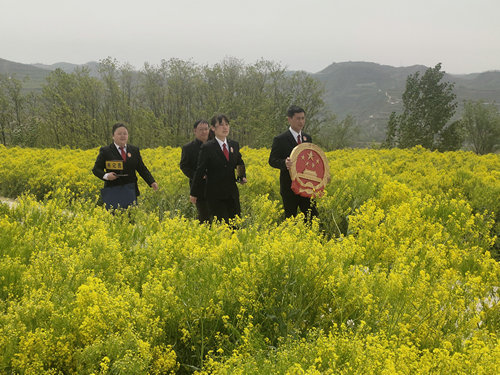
pixel 309 171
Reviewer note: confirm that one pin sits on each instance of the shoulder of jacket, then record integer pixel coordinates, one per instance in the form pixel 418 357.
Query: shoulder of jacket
pixel 108 148
pixel 189 144
pixel 285 134
pixel 207 145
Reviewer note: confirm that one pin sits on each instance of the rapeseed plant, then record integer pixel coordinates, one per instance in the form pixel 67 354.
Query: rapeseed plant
pixel 397 276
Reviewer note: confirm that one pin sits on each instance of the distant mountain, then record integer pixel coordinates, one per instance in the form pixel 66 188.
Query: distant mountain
pixel 22 71
pixel 70 68
pixel 367 91
pixel 34 75
pixel 370 92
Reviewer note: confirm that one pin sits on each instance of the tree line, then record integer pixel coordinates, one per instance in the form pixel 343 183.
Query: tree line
pixel 160 104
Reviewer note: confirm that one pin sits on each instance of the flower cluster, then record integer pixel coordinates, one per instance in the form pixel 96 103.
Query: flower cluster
pixel 396 276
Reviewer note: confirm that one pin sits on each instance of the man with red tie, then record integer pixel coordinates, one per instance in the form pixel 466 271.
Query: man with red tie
pixel 279 158
pixel 130 155
pixel 218 160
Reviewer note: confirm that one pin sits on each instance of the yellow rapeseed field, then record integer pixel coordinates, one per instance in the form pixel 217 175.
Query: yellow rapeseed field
pixel 398 275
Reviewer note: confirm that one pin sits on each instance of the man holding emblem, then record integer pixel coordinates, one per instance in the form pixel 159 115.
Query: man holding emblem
pixel 301 173
pixel 215 173
pixel 117 164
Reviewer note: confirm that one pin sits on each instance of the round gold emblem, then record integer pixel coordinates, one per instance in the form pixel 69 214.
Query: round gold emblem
pixel 309 171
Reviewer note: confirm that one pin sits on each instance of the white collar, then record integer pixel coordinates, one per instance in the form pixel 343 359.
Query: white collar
pixel 118 147
pixel 294 133
pixel 221 142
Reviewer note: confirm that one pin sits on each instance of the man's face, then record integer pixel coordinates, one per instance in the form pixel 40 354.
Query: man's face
pixel 298 121
pixel 221 130
pixel 201 132
pixel 120 136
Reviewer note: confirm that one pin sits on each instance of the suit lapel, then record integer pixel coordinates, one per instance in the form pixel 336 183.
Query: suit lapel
pixel 231 151
pixel 292 141
pixel 217 150
pixel 115 152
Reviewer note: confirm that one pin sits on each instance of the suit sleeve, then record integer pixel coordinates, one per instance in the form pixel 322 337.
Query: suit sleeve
pixel 200 172
pixel 100 164
pixel 240 161
pixel 185 164
pixel 276 159
pixel 143 170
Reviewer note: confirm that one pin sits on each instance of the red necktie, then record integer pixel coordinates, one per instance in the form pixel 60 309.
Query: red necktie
pixel 299 141
pixel 122 151
pixel 225 151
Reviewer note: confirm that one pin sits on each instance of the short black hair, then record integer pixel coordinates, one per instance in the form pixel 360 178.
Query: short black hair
pixel 218 119
pixel 293 110
pixel 200 121
pixel 116 126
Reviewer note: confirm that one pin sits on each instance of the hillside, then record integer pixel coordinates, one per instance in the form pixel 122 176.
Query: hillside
pixel 32 76
pixel 69 68
pixel 370 92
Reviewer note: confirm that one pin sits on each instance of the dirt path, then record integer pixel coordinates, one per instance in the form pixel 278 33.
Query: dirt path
pixel 8 201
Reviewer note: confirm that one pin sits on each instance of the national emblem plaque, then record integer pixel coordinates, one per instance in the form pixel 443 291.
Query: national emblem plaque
pixel 309 171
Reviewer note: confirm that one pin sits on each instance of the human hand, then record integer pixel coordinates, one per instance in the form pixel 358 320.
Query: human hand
pixel 192 199
pixel 112 176
pixel 288 163
pixel 155 186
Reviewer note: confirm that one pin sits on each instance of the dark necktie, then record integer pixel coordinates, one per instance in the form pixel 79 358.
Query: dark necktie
pixel 225 151
pixel 299 141
pixel 122 151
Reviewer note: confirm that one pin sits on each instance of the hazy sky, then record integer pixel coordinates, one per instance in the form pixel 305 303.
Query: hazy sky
pixel 464 35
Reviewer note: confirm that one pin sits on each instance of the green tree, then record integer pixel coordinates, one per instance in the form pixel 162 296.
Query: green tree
pixel 428 105
pixel 336 134
pixel 71 109
pixel 391 133
pixel 482 126
pixel 153 89
pixel 11 109
pixel 451 137
pixel 114 100
pixel 184 98
pixel 308 92
pixel 6 113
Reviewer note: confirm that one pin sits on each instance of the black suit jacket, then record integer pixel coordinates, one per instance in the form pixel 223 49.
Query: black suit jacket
pixel 132 164
pixel 189 159
pixel 219 172
pixel 282 147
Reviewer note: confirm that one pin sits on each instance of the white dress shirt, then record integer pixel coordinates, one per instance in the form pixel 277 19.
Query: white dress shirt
pixel 295 134
pixel 105 177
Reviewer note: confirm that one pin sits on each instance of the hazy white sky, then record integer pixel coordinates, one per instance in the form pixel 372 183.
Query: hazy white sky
pixel 464 35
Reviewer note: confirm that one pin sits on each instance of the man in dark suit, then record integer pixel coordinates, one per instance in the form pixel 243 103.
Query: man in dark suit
pixel 132 162
pixel 218 160
pixel 279 157
pixel 189 161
